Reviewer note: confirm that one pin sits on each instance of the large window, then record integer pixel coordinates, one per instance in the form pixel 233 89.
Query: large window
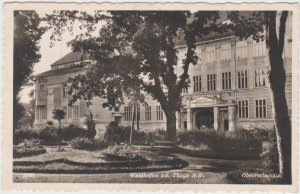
pixel 210 54
pixel 243 109
pixel 197 83
pixel 211 82
pixel 128 113
pixel 243 79
pixel 260 77
pixel 226 81
pixel 159 113
pixel 148 113
pixel 259 48
pixel 75 112
pixel 241 49
pixel 225 52
pixel 261 108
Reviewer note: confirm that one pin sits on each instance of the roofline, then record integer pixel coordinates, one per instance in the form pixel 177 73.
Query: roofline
pixel 68 62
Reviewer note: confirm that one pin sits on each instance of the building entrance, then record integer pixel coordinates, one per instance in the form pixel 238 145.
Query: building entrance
pixel 204 119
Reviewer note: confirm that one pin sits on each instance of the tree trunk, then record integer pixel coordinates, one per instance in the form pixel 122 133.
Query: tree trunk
pixel 277 79
pixel 281 117
pixel 171 125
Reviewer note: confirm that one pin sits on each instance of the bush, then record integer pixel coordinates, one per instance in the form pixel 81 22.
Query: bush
pixel 156 135
pixel 48 134
pixel 239 143
pixel 73 131
pixel 116 134
pixel 28 147
pixel 124 150
pixel 269 155
pixel 83 143
pixel 21 135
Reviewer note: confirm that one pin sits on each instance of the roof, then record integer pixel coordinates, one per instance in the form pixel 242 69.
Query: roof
pixel 71 57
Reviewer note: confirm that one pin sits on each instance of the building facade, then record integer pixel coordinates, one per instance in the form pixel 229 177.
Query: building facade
pixel 228 90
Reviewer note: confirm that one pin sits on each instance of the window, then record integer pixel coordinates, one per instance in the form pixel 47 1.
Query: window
pixel 225 52
pixel 148 113
pixel 75 112
pixel 242 79
pixel 42 86
pixel 60 66
pixel 159 113
pixel 138 112
pixel 64 92
pixel 197 83
pixel 243 109
pixel 211 82
pixel 226 81
pixel 261 108
pixel 259 48
pixel 128 113
pixel 39 113
pixel 241 49
pixel 260 77
pixel 210 54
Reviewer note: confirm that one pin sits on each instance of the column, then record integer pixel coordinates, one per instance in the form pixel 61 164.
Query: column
pixel 216 118
pixel 231 116
pixel 178 120
pixel 189 119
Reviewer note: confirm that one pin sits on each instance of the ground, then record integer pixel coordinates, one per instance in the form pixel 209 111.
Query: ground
pixel 199 170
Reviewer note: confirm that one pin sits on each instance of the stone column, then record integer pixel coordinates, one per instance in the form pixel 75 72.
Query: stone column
pixel 231 118
pixel 189 116
pixel 216 118
pixel 178 120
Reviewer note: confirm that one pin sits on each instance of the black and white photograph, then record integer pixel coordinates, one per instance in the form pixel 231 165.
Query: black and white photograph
pixel 153 95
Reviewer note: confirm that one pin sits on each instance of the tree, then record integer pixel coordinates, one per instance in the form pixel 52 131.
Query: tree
pixel 59 115
pixel 271 26
pixel 27 120
pixel 91 124
pixel 27 34
pixel 135 49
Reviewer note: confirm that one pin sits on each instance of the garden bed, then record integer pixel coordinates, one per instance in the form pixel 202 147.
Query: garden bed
pixel 21 152
pixel 79 161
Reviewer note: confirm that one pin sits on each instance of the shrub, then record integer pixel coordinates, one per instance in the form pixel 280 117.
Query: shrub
pixel 83 143
pixel 124 150
pixel 48 134
pixel 21 135
pixel 28 147
pixel 156 135
pixel 116 134
pixel 269 155
pixel 73 131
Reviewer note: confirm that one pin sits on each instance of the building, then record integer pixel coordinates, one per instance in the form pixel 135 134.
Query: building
pixel 229 90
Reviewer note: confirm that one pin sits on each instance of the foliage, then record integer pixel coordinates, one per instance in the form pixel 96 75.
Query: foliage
pixel 83 143
pixel 124 150
pixel 91 125
pixel 116 134
pixel 28 147
pixel 156 135
pixel 58 114
pixel 49 123
pixel 269 155
pixel 73 131
pixel 131 44
pixel 21 135
pixel 239 143
pixel 48 134
pixel 27 34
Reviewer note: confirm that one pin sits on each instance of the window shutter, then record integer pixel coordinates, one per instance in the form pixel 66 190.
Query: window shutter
pixel 57 97
pixel 83 108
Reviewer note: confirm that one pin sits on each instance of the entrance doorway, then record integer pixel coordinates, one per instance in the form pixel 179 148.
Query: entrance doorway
pixel 204 119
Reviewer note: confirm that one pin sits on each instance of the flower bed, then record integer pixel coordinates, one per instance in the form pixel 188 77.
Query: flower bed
pixel 28 148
